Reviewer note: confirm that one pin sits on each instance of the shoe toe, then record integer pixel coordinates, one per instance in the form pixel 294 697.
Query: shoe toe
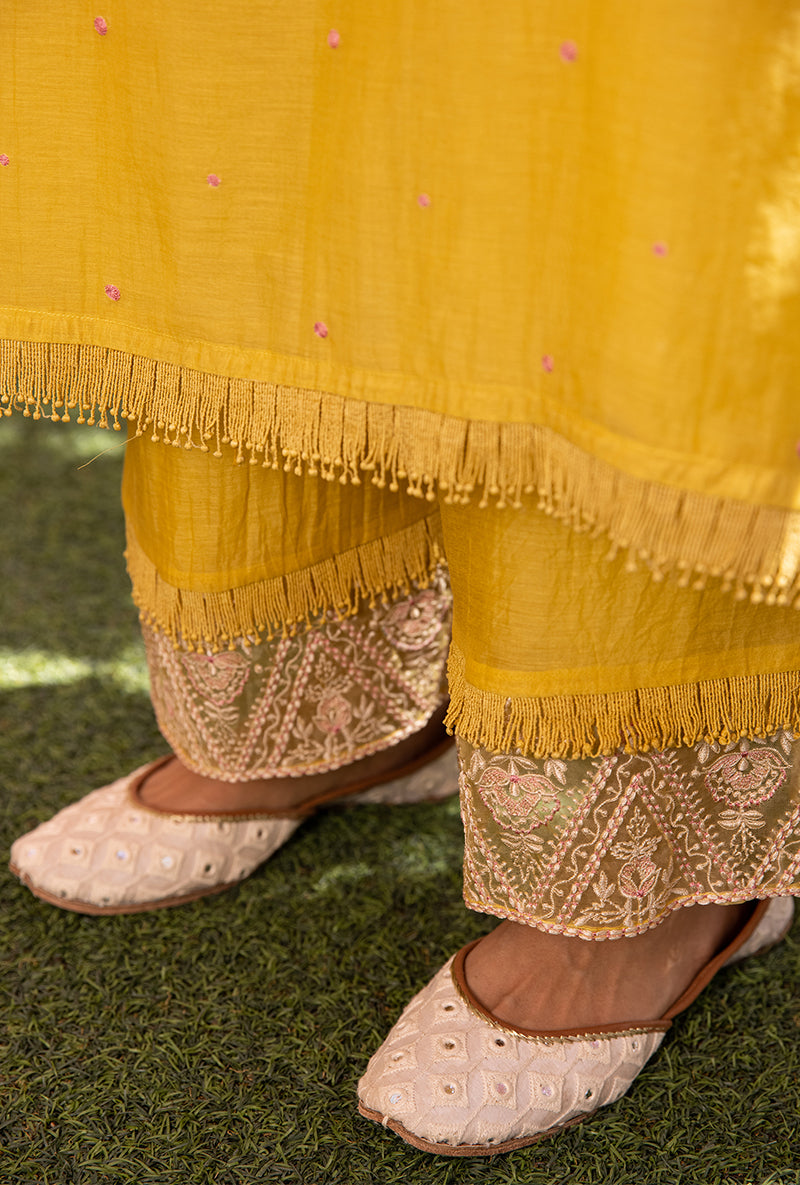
pixel 105 853
pixel 450 1080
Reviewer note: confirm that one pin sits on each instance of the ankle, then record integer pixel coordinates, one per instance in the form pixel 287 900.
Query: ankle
pixel 174 788
pixel 539 981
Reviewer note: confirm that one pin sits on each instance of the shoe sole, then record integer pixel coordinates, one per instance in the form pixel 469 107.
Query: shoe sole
pixel 469 1149
pixel 108 910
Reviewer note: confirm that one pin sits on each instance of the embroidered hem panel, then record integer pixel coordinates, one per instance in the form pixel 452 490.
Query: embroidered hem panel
pixel 309 702
pixel 608 847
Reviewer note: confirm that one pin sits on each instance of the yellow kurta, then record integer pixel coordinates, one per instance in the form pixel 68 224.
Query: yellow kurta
pixel 547 255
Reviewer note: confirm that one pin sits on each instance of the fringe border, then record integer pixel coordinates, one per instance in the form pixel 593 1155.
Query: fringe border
pixel 212 621
pixel 753 550
pixel 577 726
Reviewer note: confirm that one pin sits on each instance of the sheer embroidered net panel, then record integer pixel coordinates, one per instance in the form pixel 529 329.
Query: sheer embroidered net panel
pixel 608 846
pixel 306 703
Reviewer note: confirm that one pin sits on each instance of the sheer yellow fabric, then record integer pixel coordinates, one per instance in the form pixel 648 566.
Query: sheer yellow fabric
pixel 558 651
pixel 553 250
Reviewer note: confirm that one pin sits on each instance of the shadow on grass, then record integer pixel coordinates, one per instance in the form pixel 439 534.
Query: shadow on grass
pixel 62 575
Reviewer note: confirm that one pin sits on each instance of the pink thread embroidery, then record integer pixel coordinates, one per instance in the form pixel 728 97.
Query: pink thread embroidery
pixel 112 292
pixel 797 448
pixel 321 329
pixel 213 180
pixel 660 248
pixel 424 199
pixel 548 363
pixel 333 39
pixel 568 51
pixel 100 25
pixel 4 159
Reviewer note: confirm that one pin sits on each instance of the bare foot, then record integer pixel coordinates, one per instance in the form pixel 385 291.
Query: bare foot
pixel 534 980
pixel 173 787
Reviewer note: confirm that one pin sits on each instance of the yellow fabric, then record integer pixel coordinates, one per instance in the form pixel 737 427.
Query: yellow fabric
pixel 548 255
pixel 610 249
pixel 558 599
pixel 209 527
pixel 555 650
pixel 217 552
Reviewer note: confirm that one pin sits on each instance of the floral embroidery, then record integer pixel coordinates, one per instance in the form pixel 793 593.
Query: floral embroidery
pixel 521 801
pixel 219 677
pixel 333 39
pixel 307 703
pixel 424 199
pixel 638 877
pixel 4 159
pixel 568 51
pixel 746 776
pixel 660 248
pixel 411 624
pixel 333 713
pixel 635 835
pixel 321 329
pixel 213 180
pixel 100 25
pixel 112 292
pixel 548 363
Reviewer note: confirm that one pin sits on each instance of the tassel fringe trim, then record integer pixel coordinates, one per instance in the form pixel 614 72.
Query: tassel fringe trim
pixel 209 622
pixel 754 551
pixel 649 718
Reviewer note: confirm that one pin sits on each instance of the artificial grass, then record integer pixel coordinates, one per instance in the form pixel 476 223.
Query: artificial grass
pixel 220 1043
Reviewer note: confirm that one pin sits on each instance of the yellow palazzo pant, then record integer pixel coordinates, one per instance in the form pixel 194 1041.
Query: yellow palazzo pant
pixel 592 832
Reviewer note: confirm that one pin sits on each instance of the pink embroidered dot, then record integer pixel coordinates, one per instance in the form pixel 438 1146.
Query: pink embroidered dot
pixel 568 51
pixel 112 292
pixel 321 329
pixel 213 180
pixel 4 160
pixel 100 25
pixel 424 199
pixel 548 363
pixel 333 39
pixel 660 248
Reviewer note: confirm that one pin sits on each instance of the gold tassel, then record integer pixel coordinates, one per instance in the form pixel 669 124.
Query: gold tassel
pixel 754 551
pixel 214 620
pixel 575 726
